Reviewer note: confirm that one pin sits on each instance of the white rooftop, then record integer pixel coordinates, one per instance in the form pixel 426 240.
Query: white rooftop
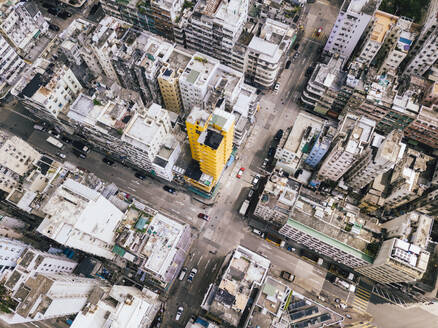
pixel 161 247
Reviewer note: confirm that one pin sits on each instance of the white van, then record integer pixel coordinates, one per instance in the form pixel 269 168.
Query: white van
pixel 182 273
pixel 258 232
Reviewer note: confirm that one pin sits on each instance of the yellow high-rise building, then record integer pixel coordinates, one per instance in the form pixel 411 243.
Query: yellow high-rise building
pixel 169 87
pixel 211 143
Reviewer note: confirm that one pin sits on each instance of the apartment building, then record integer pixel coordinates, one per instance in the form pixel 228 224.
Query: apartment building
pixel 10 252
pixel 245 272
pixel 49 295
pixel 424 128
pixel 168 80
pixel 49 93
pixel 320 145
pixel 149 138
pixel 195 79
pixel 80 217
pixel 17 158
pixel 381 27
pixel 344 240
pixel 397 52
pixel 353 138
pixel 326 87
pixel 211 143
pixel 381 155
pixel 156 244
pixel 409 178
pixel 32 262
pixel 123 306
pixel 403 256
pixel 424 52
pixel 215 26
pixel 276 201
pixel 289 153
pixel 265 54
pixel 353 18
pixel 137 62
pixel 11 66
pixel 157 16
pixel 117 123
pixel 22 24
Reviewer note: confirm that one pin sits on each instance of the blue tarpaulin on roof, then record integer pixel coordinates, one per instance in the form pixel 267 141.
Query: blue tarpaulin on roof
pixel 202 322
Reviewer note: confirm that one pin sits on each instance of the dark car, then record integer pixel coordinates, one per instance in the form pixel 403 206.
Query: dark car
pixel 271 152
pixel 64 14
pixel 79 153
pixel 309 71
pixel 288 64
pixel 296 46
pixel 54 27
pixel 108 161
pixel 203 216
pixel 278 135
pixel 66 139
pixel 53 11
pixel 169 189
pixel 296 18
pixel 140 176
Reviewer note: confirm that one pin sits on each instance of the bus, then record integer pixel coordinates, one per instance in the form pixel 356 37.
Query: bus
pixel 55 142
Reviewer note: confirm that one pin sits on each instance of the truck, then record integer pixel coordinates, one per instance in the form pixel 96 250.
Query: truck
pixel 55 142
pixel 244 207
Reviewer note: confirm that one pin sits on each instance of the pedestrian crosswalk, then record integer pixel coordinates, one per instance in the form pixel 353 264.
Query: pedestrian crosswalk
pixel 361 298
pixel 320 36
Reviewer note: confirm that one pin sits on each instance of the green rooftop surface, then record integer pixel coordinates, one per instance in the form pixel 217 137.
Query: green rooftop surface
pixel 192 77
pixel 331 241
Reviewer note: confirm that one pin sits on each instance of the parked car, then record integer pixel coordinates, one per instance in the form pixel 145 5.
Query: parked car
pixel 271 151
pixel 203 216
pixel 251 192
pixel 288 64
pixel 309 71
pixel 60 155
pixel 319 31
pixel 140 176
pixel 192 275
pixel 108 161
pixel 287 276
pixel 265 163
pixel 296 55
pixel 64 14
pixel 54 27
pixel 258 233
pixel 255 180
pixel 278 135
pixel 182 274
pixel 79 153
pixel 277 86
pixel 38 127
pixel 53 11
pixel 179 313
pixel 296 46
pixel 296 18
pixel 169 189
pixel 66 139
pixel 239 174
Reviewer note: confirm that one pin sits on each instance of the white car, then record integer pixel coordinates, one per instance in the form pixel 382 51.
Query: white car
pixel 179 312
pixel 277 86
pixel 60 155
pixel 256 180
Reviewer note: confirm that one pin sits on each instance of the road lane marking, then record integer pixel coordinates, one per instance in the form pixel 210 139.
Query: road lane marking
pixel 199 261
pixel 206 265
